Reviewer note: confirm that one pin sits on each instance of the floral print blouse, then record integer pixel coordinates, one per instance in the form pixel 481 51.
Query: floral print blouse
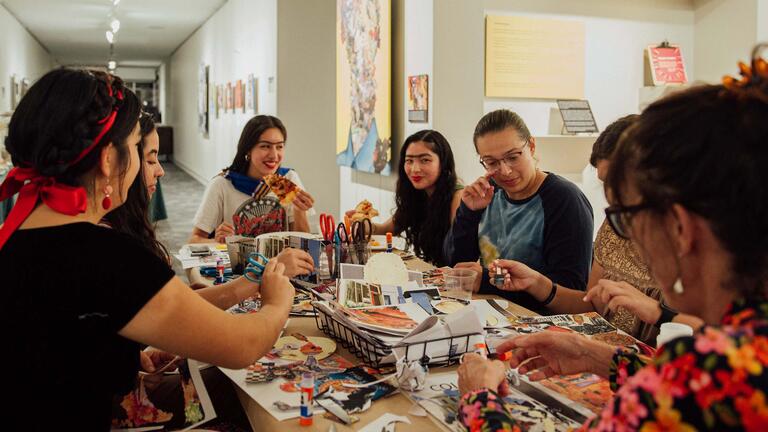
pixel 716 380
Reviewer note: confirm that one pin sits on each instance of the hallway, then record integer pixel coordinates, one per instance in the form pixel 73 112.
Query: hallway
pixel 182 195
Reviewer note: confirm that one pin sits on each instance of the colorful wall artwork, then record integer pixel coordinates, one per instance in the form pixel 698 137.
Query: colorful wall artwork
pixel 363 74
pixel 202 99
pixel 418 98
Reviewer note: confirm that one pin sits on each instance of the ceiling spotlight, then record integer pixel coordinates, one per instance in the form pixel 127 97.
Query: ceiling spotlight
pixel 110 36
pixel 115 24
pixel 111 65
pixel 115 2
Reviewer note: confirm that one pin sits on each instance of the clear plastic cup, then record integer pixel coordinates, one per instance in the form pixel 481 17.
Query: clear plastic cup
pixel 671 330
pixel 459 283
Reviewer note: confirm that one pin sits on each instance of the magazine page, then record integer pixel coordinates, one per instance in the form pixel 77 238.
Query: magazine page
pixel 177 401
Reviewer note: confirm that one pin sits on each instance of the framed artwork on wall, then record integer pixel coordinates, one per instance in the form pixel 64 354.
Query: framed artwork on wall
pixel 363 74
pixel 230 97
pixel 239 95
pixel 15 91
pixel 202 99
pixel 418 98
pixel 252 94
pixel 220 98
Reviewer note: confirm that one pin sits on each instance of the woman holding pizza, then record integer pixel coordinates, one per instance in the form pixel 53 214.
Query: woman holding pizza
pixel 237 201
pixel 428 194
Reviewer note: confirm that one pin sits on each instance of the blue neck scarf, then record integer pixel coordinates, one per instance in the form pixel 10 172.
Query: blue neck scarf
pixel 246 184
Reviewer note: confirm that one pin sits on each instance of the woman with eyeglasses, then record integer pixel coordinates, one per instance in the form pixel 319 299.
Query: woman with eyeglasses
pixel 518 212
pixel 700 220
pixel 620 285
pixel 229 206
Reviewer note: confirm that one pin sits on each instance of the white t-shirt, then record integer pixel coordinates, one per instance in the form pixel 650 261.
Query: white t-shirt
pixel 222 202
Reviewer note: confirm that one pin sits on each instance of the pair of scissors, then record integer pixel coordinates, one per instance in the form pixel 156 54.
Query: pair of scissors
pixel 362 231
pixel 256 265
pixel 327 225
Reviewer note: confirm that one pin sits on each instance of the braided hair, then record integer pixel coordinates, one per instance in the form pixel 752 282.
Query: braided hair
pixel 59 117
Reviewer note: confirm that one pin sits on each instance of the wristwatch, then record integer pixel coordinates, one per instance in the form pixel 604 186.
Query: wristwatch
pixel 667 315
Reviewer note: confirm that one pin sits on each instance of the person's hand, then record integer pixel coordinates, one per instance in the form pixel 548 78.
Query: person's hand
pixel 296 262
pixel 152 360
pixel 476 373
pixel 223 231
pixel 303 200
pixel 479 194
pixel 545 354
pixel 520 277
pixel 477 268
pixel 276 289
pixel 614 295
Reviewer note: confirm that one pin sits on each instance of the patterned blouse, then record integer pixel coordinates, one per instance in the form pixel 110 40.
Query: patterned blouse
pixel 621 262
pixel 716 380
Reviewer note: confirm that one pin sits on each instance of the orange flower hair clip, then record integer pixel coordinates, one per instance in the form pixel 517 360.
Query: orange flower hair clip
pixel 754 74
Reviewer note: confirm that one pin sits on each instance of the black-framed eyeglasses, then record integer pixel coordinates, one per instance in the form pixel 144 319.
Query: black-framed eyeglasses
pixel 620 218
pixel 511 159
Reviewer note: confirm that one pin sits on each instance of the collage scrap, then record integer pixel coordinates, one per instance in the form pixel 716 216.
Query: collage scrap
pixel 413 310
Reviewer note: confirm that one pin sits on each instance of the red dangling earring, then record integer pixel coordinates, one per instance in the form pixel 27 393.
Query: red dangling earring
pixel 106 203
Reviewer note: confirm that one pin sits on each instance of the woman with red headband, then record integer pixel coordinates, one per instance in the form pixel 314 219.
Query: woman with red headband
pixel 79 297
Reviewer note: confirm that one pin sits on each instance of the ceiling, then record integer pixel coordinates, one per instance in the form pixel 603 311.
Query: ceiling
pixel 73 31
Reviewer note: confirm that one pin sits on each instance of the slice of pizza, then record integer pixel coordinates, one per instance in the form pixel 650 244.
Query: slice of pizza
pixel 285 189
pixel 364 210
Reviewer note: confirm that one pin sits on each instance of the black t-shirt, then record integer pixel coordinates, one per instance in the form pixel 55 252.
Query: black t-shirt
pixel 66 292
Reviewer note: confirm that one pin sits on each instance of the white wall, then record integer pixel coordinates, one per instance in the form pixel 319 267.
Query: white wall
pixel 306 96
pixel 726 30
pixel 239 39
pixel 762 20
pixel 613 65
pixel 20 55
pixel 417 26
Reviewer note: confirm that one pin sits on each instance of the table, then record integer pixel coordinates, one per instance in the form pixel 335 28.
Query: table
pixel 397 404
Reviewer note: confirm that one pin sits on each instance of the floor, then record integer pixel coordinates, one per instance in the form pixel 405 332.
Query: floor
pixel 182 195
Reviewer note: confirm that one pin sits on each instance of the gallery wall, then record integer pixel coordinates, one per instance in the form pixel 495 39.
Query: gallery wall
pixel 413 56
pixel 306 96
pixel 238 40
pixel 20 55
pixel 725 33
pixel 295 42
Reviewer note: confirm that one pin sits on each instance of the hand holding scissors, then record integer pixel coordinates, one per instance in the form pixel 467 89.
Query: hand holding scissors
pixel 255 267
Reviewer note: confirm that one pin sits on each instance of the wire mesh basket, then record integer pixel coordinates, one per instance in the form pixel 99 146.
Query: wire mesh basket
pixel 375 354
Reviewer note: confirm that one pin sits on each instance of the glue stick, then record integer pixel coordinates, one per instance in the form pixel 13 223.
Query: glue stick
pixel 481 350
pixel 389 242
pixel 307 393
pixel 498 279
pixel 219 270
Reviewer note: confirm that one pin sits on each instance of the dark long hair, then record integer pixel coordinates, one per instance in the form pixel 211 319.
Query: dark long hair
pixel 609 138
pixel 132 217
pixel 706 148
pixel 58 118
pixel 425 220
pixel 249 137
